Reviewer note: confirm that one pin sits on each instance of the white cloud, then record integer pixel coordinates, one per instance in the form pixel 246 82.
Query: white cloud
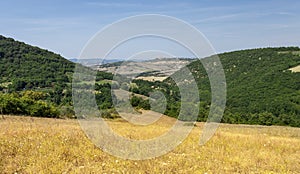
pixel 217 18
pixel 113 4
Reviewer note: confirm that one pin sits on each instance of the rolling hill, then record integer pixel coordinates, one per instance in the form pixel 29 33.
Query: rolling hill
pixel 26 66
pixel 33 81
pixel 158 68
pixel 261 87
pixel 37 82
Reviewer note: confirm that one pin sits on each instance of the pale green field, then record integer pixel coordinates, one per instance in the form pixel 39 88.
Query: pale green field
pixel 37 145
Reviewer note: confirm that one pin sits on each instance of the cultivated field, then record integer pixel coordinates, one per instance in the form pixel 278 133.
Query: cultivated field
pixel 165 67
pixel 152 78
pixel 37 145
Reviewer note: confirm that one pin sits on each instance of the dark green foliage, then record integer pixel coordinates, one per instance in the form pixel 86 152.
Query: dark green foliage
pixel 109 113
pixel 24 68
pixel 30 67
pixel 143 87
pixel 67 111
pixel 104 96
pixel 104 75
pixel 139 103
pixel 26 105
pixel 150 73
pixel 260 88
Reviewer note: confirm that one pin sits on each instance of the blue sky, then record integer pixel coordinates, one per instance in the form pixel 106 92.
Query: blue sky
pixel 65 26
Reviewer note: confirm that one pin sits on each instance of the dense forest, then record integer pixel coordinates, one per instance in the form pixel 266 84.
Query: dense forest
pixel 28 67
pixel 260 87
pixel 35 81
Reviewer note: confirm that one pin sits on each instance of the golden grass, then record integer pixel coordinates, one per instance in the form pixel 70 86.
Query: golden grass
pixel 152 78
pixel 38 145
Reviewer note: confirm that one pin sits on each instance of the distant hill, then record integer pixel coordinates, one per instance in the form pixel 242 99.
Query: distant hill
pixel 93 62
pixel 26 66
pixel 159 67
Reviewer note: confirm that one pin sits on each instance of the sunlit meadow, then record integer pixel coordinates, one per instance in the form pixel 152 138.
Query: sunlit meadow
pixel 40 145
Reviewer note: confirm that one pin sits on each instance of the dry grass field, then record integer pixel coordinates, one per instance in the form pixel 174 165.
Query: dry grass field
pixel 295 69
pixel 41 145
pixel 152 78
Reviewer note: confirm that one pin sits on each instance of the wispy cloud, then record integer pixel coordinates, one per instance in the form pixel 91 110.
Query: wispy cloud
pixel 225 22
pixel 51 21
pixel 240 16
pixel 114 4
pixel 44 24
pixel 42 29
pixel 217 18
pixel 193 10
pixel 286 13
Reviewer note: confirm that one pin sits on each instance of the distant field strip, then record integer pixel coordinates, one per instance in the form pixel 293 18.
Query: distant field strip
pixel 152 78
pixel 295 69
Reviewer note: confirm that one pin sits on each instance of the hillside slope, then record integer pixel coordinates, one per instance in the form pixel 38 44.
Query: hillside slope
pixel 37 82
pixel 159 67
pixel 261 88
pixel 29 67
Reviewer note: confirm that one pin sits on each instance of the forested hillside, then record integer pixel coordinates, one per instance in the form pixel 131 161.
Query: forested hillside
pixel 37 82
pixel 260 87
pixel 29 67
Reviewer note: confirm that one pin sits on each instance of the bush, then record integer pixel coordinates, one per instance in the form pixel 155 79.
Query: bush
pixel 67 112
pixel 14 104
